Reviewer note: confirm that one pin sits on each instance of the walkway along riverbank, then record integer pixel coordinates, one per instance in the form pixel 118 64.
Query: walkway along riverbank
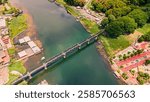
pixel 56 59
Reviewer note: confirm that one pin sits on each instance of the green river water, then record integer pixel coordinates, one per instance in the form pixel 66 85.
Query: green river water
pixel 58 31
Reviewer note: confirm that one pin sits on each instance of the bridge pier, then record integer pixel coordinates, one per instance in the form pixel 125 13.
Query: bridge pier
pixel 96 38
pixel 88 41
pixel 30 77
pixel 79 45
pixel 45 66
pixel 64 55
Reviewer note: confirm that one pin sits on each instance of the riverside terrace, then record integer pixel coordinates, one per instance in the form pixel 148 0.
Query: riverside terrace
pixel 56 59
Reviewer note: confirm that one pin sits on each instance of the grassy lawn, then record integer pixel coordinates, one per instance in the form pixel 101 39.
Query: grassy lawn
pixel 92 27
pixel 15 66
pixel 114 45
pixel 12 78
pixel 72 11
pixel 145 29
pixel 11 51
pixel 23 83
pixel 61 2
pixel 17 25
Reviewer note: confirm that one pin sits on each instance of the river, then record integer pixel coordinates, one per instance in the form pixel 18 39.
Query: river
pixel 58 31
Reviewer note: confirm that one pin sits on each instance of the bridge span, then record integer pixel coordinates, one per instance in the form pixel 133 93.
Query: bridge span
pixel 77 47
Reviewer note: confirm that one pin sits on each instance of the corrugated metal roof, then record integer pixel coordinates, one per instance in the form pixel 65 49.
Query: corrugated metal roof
pixel 21 41
pixel 22 54
pixel 36 49
pixel 27 39
pixel 31 44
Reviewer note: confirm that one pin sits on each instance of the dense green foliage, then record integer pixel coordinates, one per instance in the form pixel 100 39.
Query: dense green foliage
pixel 145 37
pixel 140 16
pixel 121 26
pixel 75 2
pixel 147 62
pixel 123 16
pixel 13 11
pixel 130 54
pixel 125 76
pixel 143 77
pixel 3 1
pixel 138 2
pixel 17 25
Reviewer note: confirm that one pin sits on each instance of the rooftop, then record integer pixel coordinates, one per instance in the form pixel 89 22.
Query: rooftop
pixel 2 23
pixel 22 54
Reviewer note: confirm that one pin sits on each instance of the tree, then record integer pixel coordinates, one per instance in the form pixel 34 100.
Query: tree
pixel 97 6
pixel 75 2
pixel 3 1
pixel 140 80
pixel 118 12
pixel 125 76
pixel 139 16
pixel 147 62
pixel 121 26
pixel 129 24
pixel 104 5
pixel 111 18
pixel 114 29
pixel 104 22
pixel 145 37
pixel 137 2
pixel 139 51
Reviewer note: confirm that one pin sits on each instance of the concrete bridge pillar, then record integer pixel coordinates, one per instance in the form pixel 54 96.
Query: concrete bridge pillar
pixel 45 66
pixel 30 77
pixel 88 41
pixel 79 45
pixel 96 38
pixel 64 55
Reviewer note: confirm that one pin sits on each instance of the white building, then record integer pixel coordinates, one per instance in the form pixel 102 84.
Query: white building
pixel 31 44
pixel 27 39
pixel 34 47
pixel 21 41
pixel 36 50
pixel 22 54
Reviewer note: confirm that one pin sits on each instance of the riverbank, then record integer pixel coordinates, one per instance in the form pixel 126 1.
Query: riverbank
pixel 90 26
pixel 31 29
pixel 31 32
